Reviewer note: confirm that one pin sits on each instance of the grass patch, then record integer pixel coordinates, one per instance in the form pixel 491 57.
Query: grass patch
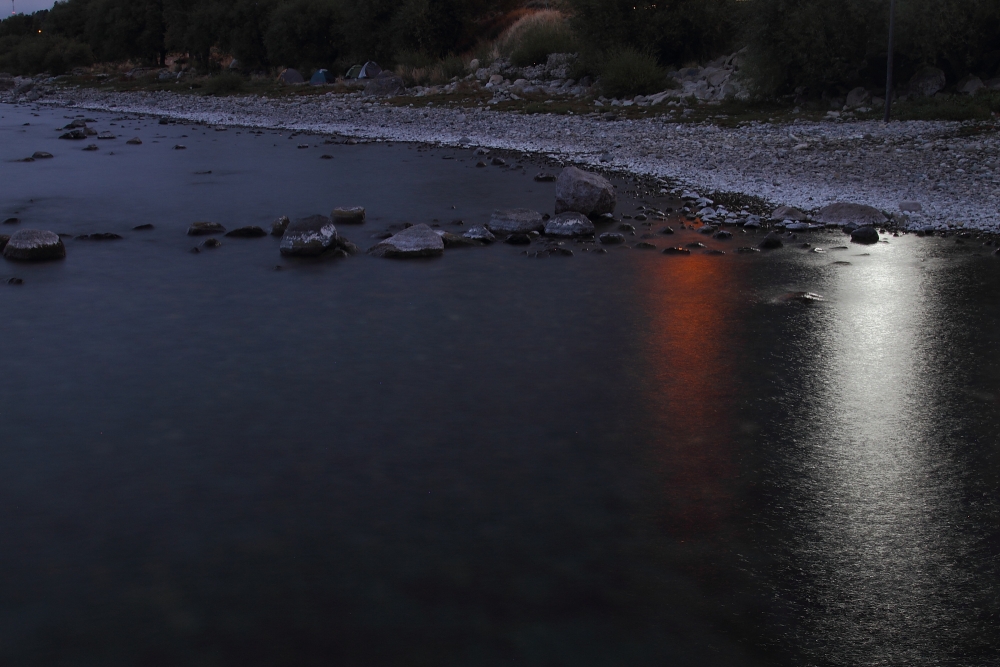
pixel 628 72
pixel 980 107
pixel 229 83
pixel 530 41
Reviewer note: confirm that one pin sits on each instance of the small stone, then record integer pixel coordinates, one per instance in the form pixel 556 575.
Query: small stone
pixel 325 157
pixel 644 245
pixel 194 251
pixel 12 221
pixel 865 235
pixel 279 226
pixel 414 241
pixel 695 244
pixel 212 243
pixel 74 135
pixel 479 233
pixel 354 215
pixel 610 238
pixel 100 236
pixel 569 224
pixel 15 281
pixel 480 164
pixel 543 177
pixel 250 232
pixel 676 251
pixel 498 162
pixel 91 148
pixel 722 235
pixel 134 141
pixel 626 227
pixel 41 155
pixel 667 230
pixel 144 227
pixel 180 147
pixel 205 228
pixel 747 249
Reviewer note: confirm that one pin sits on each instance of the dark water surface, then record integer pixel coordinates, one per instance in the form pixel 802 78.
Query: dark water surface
pixel 629 459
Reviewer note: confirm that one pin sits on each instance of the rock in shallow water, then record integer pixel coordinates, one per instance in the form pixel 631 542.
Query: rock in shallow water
pixel 99 236
pixel 584 192
pixel 250 232
pixel 516 221
pixel 772 241
pixel 279 226
pixel 569 224
pixel 31 245
pixel 353 215
pixel 676 251
pixel 416 241
pixel 309 237
pixel 205 228
pixel 864 235
pixel 843 213
pixel 611 238
pixel 480 233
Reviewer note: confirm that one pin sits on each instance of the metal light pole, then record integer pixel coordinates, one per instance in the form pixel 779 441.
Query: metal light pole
pixel 888 66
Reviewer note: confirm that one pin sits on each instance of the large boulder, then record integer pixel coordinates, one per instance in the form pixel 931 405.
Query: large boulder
pixel 866 234
pixel 32 245
pixel 384 85
pixel 970 85
pixel 416 241
pixel 584 192
pixel 859 215
pixel 927 81
pixel 787 213
pixel 310 237
pixel 569 224
pixel 516 221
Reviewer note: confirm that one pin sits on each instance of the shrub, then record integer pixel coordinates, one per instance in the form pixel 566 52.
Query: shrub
pixel 531 39
pixel 628 72
pixel 224 84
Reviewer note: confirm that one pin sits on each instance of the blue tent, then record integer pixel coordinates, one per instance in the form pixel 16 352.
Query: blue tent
pixel 321 78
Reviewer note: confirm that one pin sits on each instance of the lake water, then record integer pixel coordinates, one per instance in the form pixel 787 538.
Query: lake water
pixel 480 459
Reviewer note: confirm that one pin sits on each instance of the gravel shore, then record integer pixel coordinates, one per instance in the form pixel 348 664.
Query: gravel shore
pixel 955 178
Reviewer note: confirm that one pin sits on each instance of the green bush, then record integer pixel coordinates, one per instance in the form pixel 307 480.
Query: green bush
pixel 453 66
pixel 537 41
pixel 627 72
pixel 224 84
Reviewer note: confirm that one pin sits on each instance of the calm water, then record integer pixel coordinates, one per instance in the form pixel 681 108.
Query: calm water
pixel 629 459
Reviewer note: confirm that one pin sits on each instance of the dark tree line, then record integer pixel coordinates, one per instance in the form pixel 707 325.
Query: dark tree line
pixel 816 44
pixel 260 33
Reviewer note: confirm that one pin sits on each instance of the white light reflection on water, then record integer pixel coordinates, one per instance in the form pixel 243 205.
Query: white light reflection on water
pixel 880 492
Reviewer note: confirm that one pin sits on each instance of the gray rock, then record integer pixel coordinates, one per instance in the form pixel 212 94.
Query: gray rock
pixel 515 221
pixel 843 213
pixel 4 238
pixel 584 192
pixel 970 85
pixel 384 85
pixel 455 240
pixel 74 135
pixel 787 213
pixel 354 215
pixel 416 241
pixel 569 224
pixel 134 141
pixel 480 233
pixel 927 81
pixel 32 245
pixel 309 237
pixel 859 97
pixel 250 232
pixel 864 235
pixel 205 228
pixel 911 206
pixel 279 226
pixel 611 238
pixel 41 155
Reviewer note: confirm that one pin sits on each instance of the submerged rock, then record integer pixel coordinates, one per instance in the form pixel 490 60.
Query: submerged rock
pixel 772 241
pixel 787 213
pixel 480 233
pixel 584 192
pixel 518 239
pixel 309 237
pixel 354 215
pixel 416 241
pixel 143 227
pixel 250 232
pixel 611 238
pixel 100 236
pixel 676 251
pixel 516 221
pixel 31 245
pixel 569 224
pixel 205 228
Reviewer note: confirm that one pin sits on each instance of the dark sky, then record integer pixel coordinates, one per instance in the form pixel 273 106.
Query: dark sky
pixel 24 6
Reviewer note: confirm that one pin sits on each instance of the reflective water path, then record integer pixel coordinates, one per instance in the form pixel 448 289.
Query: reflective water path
pixel 480 459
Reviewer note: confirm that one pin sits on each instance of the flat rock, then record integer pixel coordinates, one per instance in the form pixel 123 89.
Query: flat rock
pixel 99 236
pixel 843 213
pixel 205 228
pixel 569 224
pixel 787 213
pixel 611 238
pixel 584 192
pixel 309 237
pixel 32 245
pixel 249 232
pixel 353 215
pixel 41 155
pixel 143 227
pixel 416 241
pixel 74 135
pixel 516 221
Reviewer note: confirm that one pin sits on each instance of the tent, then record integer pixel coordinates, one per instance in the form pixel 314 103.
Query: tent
pixel 353 72
pixel 290 76
pixel 321 78
pixel 370 70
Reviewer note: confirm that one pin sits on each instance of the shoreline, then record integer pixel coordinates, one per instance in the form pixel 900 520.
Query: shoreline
pixel 803 164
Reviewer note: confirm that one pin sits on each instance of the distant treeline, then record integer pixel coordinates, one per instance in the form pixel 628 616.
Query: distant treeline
pixel 813 44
